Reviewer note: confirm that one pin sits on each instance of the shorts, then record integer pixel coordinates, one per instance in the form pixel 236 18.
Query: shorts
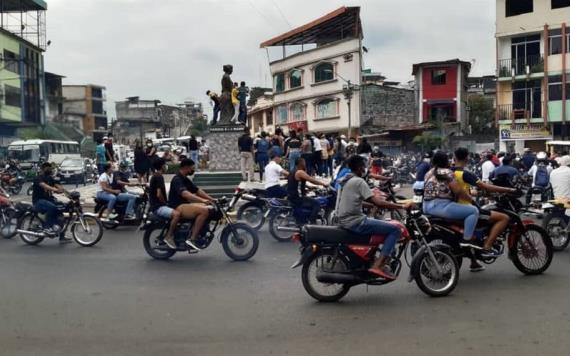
pixel 164 212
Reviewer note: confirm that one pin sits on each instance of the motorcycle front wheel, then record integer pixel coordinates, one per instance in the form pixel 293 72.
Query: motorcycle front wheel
pixel 556 228
pixel 431 281
pixel 154 245
pixel 324 292
pixel 87 230
pixel 240 242
pixel 532 251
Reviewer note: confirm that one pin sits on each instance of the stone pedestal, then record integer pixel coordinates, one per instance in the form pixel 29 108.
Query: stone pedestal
pixel 224 153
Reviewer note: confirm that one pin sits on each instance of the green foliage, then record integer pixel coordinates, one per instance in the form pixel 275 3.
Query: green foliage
pixel 481 115
pixel 173 168
pixel 427 141
pixel 199 126
pixel 255 93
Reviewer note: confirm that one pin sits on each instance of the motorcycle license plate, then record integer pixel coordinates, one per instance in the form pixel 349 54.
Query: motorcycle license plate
pixel 418 199
pixel 536 197
pixel 67 175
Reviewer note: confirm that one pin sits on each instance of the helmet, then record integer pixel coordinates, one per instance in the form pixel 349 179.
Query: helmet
pixel 123 165
pixel 376 152
pixel 541 155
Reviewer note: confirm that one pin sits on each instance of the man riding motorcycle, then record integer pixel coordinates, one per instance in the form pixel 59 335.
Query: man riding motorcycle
pixel 42 197
pixel 296 190
pixel 189 200
pixel 353 194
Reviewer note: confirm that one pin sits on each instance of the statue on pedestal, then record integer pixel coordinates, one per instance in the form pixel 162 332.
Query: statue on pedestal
pixel 226 107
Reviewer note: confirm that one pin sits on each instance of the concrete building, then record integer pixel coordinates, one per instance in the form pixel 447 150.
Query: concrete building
pixel 532 41
pixel 441 94
pixel 54 97
pixel 22 86
pixel 308 85
pixel 260 115
pixel 84 107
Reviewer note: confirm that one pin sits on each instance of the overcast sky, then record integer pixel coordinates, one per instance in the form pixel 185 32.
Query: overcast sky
pixel 174 50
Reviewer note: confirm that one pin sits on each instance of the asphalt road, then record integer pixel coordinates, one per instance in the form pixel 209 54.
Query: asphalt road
pixel 113 299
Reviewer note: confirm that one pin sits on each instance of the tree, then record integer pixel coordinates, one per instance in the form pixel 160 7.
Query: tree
pixel 481 115
pixel 427 141
pixel 255 93
pixel 199 126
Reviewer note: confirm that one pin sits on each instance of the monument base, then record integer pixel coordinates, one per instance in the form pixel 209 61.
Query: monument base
pixel 224 153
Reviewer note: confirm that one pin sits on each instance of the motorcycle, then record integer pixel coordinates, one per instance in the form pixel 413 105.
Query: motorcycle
pixel 253 212
pixel 530 248
pixel 12 180
pixel 334 259
pixel 283 214
pixel 121 209
pixel 8 217
pixel 239 241
pixel 557 223
pixel 85 228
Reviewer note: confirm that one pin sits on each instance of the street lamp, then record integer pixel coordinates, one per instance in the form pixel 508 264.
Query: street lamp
pixel 348 90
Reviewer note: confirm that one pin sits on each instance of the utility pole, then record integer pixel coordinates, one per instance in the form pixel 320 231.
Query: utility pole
pixel 348 90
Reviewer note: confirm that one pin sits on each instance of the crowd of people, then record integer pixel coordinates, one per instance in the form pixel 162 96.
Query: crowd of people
pixel 239 96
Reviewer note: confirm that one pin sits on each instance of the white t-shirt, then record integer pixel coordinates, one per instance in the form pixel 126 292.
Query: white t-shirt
pixel 317 144
pixel 272 174
pixel 104 178
pixel 486 168
pixel 534 168
pixel 560 180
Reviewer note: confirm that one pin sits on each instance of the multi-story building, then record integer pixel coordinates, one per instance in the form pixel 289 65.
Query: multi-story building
pixel 22 43
pixel 84 107
pixel 260 115
pixel 54 97
pixel 533 42
pixel 308 84
pixel 441 94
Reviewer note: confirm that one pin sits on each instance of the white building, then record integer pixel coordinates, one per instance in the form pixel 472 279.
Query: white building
pixel 308 85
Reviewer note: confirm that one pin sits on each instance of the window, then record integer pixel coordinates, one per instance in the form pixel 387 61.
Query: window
pixel 324 72
pixel 557 4
pixel 555 88
pixel 282 114
pixel 518 7
pixel 297 112
pixel 12 96
pixel 442 112
pixel 279 82
pixel 11 61
pixel 555 41
pixel 97 92
pixel 438 76
pixel 97 106
pixel 295 79
pixel 269 117
pixel 326 108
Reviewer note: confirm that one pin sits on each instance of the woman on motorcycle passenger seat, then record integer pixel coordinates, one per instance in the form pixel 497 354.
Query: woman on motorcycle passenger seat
pixel 441 190
pixel 296 190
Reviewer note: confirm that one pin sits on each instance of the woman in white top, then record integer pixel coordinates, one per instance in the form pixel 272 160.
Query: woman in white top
pixel 106 193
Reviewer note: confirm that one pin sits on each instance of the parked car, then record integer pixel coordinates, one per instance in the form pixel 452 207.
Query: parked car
pixel 72 170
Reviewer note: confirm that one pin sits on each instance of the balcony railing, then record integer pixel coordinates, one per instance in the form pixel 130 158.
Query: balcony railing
pixel 525 111
pixel 521 66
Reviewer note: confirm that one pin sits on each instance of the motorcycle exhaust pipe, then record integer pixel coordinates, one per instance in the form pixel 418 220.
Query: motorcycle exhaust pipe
pixel 26 232
pixel 329 277
pixel 249 197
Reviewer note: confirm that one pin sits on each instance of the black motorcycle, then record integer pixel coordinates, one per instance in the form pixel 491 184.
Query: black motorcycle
pixel 240 242
pixel 141 203
pixel 557 223
pixel 254 211
pixel 85 228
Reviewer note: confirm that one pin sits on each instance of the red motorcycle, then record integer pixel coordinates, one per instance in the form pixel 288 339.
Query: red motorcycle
pixel 335 259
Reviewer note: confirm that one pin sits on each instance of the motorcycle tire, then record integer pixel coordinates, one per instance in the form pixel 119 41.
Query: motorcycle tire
pixel 518 248
pixel 16 189
pixel 27 222
pixel 92 222
pixel 150 237
pixel 555 224
pixel 311 284
pixel 252 214
pixel 234 236
pixel 10 224
pixel 449 266
pixel 274 222
pixel 30 190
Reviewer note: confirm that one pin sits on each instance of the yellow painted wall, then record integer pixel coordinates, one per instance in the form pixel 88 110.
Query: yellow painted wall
pixel 9 113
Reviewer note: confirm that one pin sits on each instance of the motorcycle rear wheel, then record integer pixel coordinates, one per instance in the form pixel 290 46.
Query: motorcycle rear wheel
pixel 9 224
pixel 533 241
pixel 252 214
pixel 154 246
pixel 556 227
pixel 30 222
pixel 324 292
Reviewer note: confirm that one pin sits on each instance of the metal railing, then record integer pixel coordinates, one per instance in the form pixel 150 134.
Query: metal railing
pixel 520 66
pixel 514 112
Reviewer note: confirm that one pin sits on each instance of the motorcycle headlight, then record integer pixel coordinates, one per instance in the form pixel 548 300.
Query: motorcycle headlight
pixel 423 224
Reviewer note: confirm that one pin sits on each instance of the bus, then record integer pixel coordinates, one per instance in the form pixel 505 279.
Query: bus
pixel 31 151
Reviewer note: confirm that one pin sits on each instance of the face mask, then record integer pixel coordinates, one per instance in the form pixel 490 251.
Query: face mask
pixel 149 145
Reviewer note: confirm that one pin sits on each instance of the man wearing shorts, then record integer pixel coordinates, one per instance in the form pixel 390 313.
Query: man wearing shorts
pixel 158 201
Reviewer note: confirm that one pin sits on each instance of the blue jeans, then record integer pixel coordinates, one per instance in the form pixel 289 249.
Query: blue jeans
pixel 194 157
pixel 262 160
pixel 378 227
pixel 276 191
pixel 49 208
pixel 111 199
pixel 448 209
pixel 308 157
pixel 309 204
pixel 216 113
pixel 293 155
pixel 130 199
pixel 100 168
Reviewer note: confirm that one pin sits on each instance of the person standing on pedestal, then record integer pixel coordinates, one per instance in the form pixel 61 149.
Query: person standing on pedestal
pixel 235 103
pixel 242 96
pixel 216 100
pixel 245 146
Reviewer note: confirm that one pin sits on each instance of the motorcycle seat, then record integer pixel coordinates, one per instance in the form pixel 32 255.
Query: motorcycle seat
pixel 333 234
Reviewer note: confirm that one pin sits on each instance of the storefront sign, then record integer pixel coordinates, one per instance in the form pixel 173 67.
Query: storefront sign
pixel 524 132
pixel 298 125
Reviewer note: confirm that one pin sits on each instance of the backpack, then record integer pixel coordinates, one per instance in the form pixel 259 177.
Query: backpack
pixel 541 178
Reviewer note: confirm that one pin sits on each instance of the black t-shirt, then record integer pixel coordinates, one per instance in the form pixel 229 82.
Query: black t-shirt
pixel 193 145
pixel 156 184
pixel 364 148
pixel 178 185
pixel 245 143
pixel 120 176
pixel 40 193
pixel 295 143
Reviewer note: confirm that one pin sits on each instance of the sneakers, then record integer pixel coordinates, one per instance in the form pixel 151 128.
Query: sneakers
pixel 476 268
pixel 383 272
pixel 112 216
pixel 130 217
pixel 192 245
pixel 169 241
pixel 492 253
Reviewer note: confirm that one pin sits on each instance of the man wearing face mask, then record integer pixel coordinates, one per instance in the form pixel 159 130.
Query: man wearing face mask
pixel 189 200
pixel 42 196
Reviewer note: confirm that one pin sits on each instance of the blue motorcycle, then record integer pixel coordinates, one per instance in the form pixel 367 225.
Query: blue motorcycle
pixel 284 215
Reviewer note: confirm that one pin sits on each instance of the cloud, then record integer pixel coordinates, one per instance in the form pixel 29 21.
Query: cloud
pixel 174 49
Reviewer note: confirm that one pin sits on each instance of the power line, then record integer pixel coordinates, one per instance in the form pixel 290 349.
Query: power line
pixel 281 13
